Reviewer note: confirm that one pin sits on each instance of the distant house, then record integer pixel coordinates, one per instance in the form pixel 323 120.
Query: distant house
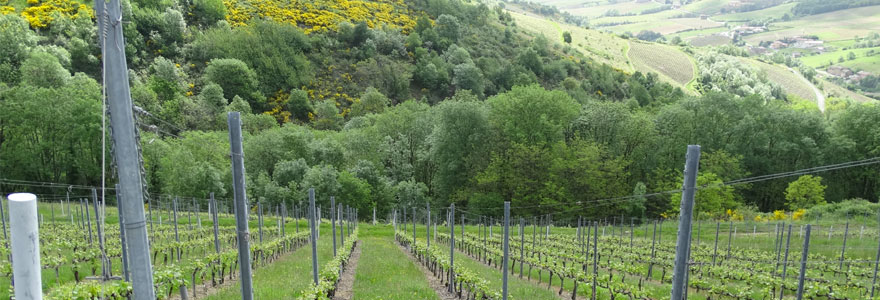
pixel 807 44
pixel 796 55
pixel 757 50
pixel 704 17
pixel 778 45
pixel 839 71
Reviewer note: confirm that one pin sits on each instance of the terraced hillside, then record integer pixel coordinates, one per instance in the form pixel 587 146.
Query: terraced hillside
pixel 669 62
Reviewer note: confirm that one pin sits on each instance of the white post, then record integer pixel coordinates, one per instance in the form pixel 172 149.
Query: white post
pixel 25 246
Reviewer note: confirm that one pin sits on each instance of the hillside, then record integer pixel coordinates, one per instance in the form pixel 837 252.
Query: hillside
pixel 436 101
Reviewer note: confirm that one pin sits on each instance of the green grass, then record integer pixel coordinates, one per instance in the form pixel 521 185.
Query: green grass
pixel 384 272
pixel 862 61
pixel 601 47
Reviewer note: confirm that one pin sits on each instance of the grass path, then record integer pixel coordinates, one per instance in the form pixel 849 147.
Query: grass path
pixel 287 277
pixel 383 272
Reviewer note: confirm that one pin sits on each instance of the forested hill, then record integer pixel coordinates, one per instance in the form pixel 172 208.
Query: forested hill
pixel 388 103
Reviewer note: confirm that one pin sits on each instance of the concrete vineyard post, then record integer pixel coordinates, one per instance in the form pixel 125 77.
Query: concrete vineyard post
pixel 340 215
pixel 729 238
pixel 876 266
pixel 23 226
pixel 260 219
pixel 241 204
pixel 313 235
pixel 333 222
pixel 215 220
pixel 506 249
pixel 715 252
pixel 88 219
pixel 785 260
pixel 653 248
pixel 684 225
pixel 427 223
pixel 843 248
pixel 176 235
pixel 451 248
pixel 802 275
pixel 522 242
pixel 596 258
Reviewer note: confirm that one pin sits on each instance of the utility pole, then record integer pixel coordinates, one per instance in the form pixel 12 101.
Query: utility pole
pixel 241 206
pixel 125 146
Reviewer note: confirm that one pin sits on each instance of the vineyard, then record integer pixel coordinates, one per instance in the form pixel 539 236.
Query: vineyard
pixel 81 255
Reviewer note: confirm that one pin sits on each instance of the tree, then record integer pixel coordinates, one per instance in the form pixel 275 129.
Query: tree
pixel 458 145
pixel 236 78
pixel 42 69
pixel 411 193
pixel 566 37
pixel 290 172
pixel 468 77
pixel 805 192
pixel 448 27
pixel 850 56
pixel 371 102
pixel 532 115
pixel 299 106
pixel 324 180
pixel 209 12
pixel 327 116
pixel 17 39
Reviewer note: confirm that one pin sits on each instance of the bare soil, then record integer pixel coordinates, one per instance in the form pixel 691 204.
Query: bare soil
pixel 346 281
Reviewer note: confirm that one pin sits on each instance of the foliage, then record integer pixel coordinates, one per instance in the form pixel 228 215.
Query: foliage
pixel 805 192
pixel 324 15
pixel 236 79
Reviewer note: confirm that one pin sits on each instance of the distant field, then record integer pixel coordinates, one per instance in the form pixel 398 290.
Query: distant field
pixel 774 11
pixel 838 25
pixel 601 47
pixel 667 26
pixel 621 7
pixel 833 90
pixel 862 61
pixel 708 40
pixel 667 61
pixel 707 7
pixel 790 82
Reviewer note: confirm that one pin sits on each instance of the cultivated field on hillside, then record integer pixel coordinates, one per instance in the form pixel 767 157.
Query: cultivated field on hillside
pixel 790 82
pixel 665 60
pixel 864 60
pixel 602 47
pixel 839 25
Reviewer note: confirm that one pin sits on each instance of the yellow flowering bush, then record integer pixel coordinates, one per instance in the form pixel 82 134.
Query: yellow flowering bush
pixel 39 12
pixel 5 10
pixel 798 214
pixel 323 15
pixel 733 215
